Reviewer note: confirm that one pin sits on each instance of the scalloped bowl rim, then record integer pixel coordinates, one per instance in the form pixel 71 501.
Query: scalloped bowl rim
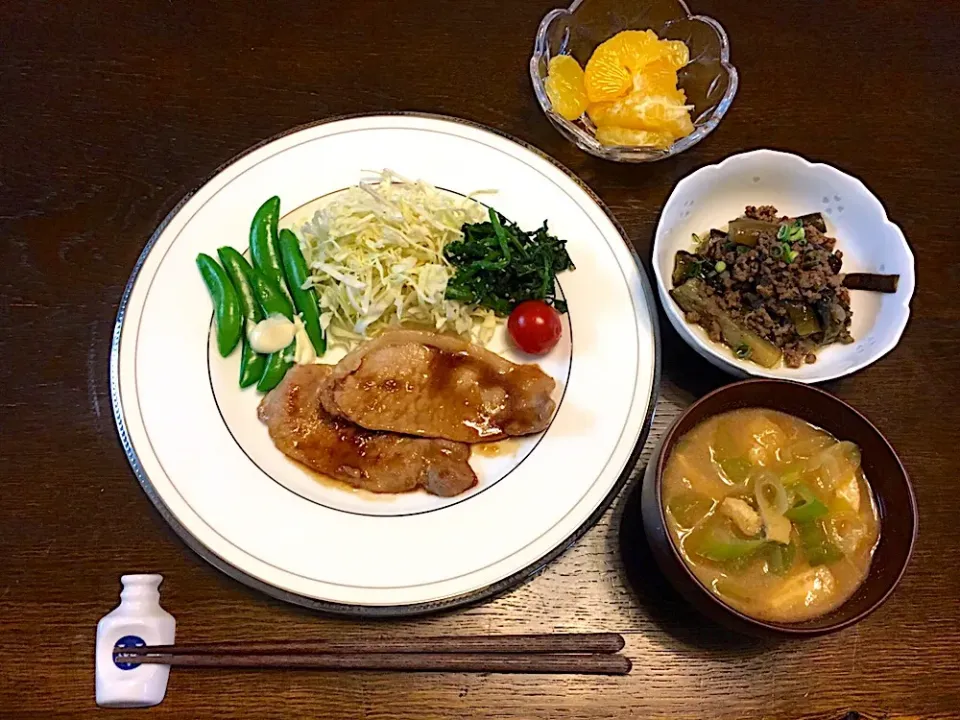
pixel 628 153
pixel 717 353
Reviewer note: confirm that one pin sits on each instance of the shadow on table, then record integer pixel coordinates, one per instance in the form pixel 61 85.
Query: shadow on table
pixel 662 603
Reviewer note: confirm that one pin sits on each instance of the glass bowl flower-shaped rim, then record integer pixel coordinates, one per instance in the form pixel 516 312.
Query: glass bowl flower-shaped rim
pixel 585 140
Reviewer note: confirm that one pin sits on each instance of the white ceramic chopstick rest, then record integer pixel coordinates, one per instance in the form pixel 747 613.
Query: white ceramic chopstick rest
pixel 138 620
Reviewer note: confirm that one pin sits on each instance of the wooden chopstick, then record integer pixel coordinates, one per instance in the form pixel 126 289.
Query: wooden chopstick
pixel 586 643
pixel 409 662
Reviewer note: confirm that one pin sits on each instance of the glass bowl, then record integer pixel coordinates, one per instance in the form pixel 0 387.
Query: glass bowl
pixel 709 80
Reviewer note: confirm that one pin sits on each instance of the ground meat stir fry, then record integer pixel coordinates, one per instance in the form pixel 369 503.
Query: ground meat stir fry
pixel 784 285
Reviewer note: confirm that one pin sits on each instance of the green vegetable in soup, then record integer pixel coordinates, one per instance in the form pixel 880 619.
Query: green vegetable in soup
pixel 780 558
pixel 689 508
pixel 806 507
pixel 736 469
pixel 716 542
pixel 817 548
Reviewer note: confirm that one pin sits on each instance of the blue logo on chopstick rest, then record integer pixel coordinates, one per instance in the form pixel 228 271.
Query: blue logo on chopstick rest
pixel 128 641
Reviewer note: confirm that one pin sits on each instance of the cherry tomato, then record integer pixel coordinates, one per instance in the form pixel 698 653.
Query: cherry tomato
pixel 535 327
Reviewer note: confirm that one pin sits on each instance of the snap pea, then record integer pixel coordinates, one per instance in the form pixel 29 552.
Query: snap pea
pixel 225 302
pixel 276 367
pixel 296 271
pixel 237 269
pixel 271 300
pixel 252 363
pixel 263 242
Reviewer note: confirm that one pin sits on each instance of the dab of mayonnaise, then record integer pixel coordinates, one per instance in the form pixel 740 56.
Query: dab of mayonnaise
pixel 304 353
pixel 272 334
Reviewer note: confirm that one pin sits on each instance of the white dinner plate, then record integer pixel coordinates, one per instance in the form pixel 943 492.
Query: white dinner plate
pixel 194 441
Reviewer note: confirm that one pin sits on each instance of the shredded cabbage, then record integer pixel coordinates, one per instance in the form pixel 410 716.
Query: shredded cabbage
pixel 376 256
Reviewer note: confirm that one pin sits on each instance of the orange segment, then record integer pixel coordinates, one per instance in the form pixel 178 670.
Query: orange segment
pixel 613 135
pixel 630 82
pixel 564 86
pixel 659 78
pixel 675 52
pixel 637 111
pixel 609 70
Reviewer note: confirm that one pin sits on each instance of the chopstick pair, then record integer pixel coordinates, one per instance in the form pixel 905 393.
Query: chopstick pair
pixel 578 654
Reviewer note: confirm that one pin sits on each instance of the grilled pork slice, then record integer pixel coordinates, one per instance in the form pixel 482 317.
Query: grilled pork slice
pixel 422 383
pixel 381 462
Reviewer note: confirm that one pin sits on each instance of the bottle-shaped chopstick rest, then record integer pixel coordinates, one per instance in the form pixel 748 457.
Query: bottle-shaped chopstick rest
pixel 138 620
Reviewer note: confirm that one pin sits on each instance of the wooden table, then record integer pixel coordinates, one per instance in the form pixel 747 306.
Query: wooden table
pixel 110 112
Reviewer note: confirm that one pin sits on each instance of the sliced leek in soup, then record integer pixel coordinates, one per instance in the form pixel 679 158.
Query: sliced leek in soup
pixel 772 514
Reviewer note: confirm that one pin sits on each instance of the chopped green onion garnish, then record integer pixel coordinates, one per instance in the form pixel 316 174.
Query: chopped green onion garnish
pixel 742 351
pixel 696 239
pixel 791 232
pixel 720 266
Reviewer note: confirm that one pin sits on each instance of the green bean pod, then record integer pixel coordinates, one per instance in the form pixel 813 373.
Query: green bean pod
pixel 263 242
pixel 252 363
pixel 276 367
pixel 238 269
pixel 225 302
pixel 271 300
pixel 296 271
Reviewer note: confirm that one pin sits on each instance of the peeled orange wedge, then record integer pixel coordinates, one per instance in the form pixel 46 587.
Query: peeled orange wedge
pixel 564 86
pixel 609 71
pixel 637 111
pixel 613 135
pixel 628 89
pixel 659 78
pixel 676 53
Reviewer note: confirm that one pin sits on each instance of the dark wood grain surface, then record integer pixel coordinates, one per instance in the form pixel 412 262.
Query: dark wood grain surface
pixel 111 111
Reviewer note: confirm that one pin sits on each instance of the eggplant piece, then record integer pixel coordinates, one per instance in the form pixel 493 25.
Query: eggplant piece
pixel 746 344
pixel 718 234
pixel 747 231
pixel 685 266
pixel 871 281
pixel 804 319
pixel 815 220
pixel 832 318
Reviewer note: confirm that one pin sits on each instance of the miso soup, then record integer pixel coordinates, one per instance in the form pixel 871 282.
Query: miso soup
pixel 772 514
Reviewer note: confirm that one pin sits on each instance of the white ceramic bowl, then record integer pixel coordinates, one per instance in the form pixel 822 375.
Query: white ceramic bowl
pixel 715 194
